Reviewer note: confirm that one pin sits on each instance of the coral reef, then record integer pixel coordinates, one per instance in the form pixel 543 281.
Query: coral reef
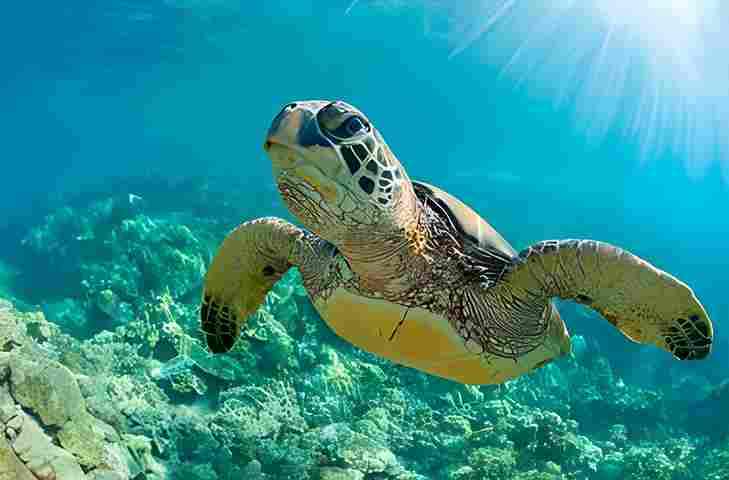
pixel 110 257
pixel 49 431
pixel 112 382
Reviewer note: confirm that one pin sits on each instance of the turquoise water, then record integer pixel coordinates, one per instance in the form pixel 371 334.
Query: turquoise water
pixel 103 100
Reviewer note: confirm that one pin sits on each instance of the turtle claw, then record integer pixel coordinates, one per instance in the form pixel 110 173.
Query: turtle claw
pixel 689 338
pixel 219 324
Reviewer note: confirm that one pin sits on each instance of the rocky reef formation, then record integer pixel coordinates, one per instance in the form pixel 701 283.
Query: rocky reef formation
pixel 48 429
pixel 111 381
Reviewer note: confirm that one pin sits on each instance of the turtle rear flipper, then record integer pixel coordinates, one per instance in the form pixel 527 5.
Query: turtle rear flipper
pixel 646 304
pixel 251 259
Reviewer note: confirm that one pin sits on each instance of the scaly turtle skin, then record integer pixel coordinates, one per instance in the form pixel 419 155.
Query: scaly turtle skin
pixel 406 271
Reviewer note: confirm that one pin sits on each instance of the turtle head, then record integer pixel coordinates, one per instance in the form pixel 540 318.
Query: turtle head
pixel 334 169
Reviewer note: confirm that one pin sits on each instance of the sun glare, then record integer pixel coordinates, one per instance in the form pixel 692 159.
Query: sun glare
pixel 653 70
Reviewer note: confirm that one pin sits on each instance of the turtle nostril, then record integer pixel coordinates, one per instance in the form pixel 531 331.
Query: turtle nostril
pixel 290 106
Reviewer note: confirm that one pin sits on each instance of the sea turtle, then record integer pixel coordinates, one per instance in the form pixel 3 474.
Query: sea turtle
pixel 406 271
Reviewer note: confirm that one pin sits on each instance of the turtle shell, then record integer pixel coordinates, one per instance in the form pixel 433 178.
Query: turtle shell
pixel 465 220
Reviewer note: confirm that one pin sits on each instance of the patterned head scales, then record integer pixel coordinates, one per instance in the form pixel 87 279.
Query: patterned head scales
pixel 361 147
pixel 333 166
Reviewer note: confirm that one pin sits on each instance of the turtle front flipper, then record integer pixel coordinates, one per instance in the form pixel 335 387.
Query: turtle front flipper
pixel 251 259
pixel 646 304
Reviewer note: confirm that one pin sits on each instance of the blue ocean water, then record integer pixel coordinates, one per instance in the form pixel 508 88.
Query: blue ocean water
pixel 99 97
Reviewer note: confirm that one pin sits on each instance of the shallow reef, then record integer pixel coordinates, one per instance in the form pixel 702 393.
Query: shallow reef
pixel 104 376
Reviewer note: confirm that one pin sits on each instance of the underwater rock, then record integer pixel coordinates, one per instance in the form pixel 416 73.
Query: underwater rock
pixel 62 439
pixel 140 447
pixel 83 436
pixel 11 467
pixel 30 334
pixel 49 390
pixel 123 465
pixel 53 395
pixel 37 451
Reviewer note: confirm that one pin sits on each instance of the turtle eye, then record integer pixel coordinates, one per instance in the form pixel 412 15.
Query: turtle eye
pixel 351 127
pixel 340 122
pixel 330 117
pixel 354 126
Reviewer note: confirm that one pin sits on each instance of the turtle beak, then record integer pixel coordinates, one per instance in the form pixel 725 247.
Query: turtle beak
pixel 296 125
pixel 271 144
pixel 293 132
pixel 282 156
pixel 282 137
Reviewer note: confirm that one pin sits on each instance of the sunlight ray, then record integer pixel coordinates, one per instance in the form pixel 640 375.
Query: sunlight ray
pixel 652 71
